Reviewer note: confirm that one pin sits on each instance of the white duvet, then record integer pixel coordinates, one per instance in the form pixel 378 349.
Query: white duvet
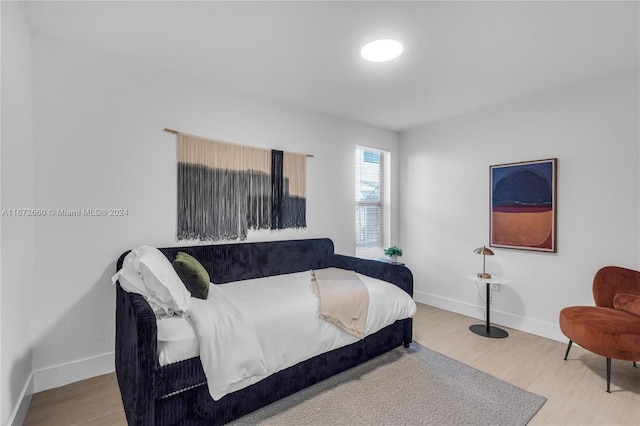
pixel 248 330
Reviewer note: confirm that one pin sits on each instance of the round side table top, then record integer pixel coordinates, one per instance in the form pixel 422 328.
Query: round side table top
pixel 495 279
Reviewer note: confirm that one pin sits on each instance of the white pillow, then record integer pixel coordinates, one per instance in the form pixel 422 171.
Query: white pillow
pixel 164 287
pixel 130 280
pixel 146 271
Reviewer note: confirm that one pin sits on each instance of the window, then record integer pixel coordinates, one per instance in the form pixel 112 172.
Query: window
pixel 372 195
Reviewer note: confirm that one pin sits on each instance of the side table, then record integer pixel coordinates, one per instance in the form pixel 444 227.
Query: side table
pixel 486 329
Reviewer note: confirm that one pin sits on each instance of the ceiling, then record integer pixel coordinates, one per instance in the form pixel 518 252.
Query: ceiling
pixel 458 56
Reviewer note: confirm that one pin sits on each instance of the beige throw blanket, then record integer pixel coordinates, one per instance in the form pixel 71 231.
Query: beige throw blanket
pixel 343 299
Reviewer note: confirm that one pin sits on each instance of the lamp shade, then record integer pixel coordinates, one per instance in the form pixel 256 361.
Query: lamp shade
pixel 484 251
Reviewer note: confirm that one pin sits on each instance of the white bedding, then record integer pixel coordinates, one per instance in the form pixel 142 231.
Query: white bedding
pixel 248 330
pixel 177 340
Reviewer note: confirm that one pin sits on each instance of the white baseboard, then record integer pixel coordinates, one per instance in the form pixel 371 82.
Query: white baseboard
pixel 24 400
pixel 528 325
pixel 60 375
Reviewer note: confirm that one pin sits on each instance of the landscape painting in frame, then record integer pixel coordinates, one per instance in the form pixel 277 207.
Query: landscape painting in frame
pixel 523 205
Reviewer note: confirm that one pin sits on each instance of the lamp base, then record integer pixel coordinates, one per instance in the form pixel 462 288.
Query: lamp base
pixel 494 332
pixel 483 275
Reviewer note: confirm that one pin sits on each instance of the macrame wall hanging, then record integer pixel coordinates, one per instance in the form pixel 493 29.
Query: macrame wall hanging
pixel 226 189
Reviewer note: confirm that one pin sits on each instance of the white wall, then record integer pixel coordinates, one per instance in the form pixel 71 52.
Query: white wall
pixel 593 130
pixel 17 252
pixel 99 143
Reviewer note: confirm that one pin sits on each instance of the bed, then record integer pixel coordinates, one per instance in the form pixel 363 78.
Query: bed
pixel 172 389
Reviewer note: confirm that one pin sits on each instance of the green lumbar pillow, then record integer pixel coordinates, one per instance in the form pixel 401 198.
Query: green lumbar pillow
pixel 192 274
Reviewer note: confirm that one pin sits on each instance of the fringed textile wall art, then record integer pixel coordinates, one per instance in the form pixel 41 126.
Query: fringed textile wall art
pixel 294 176
pixel 226 189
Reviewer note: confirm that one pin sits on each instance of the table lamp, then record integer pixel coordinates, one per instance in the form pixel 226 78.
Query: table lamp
pixel 484 252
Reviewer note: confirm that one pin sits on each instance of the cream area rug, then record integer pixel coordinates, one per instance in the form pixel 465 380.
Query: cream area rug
pixel 414 386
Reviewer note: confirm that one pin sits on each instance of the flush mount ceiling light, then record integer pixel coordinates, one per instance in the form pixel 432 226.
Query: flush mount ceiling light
pixel 381 50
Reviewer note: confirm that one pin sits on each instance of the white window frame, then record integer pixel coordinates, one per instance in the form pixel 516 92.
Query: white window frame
pixel 382 204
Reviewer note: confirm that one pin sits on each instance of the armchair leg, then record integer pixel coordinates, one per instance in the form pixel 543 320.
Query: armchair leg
pixel 635 365
pixel 568 349
pixel 608 374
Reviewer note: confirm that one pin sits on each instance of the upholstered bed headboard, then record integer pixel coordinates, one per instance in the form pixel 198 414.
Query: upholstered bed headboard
pixel 242 261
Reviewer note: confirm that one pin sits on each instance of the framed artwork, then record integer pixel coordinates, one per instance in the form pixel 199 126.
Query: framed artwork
pixel 523 205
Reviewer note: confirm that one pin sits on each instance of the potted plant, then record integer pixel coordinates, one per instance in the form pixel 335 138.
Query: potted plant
pixel 393 253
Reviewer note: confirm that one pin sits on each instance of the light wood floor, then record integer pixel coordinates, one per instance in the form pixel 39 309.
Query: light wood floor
pixel 575 389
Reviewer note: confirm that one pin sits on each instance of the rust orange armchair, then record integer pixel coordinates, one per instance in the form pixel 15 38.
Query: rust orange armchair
pixel 612 327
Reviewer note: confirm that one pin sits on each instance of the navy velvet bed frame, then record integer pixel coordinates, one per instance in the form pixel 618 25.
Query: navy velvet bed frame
pixel 176 394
